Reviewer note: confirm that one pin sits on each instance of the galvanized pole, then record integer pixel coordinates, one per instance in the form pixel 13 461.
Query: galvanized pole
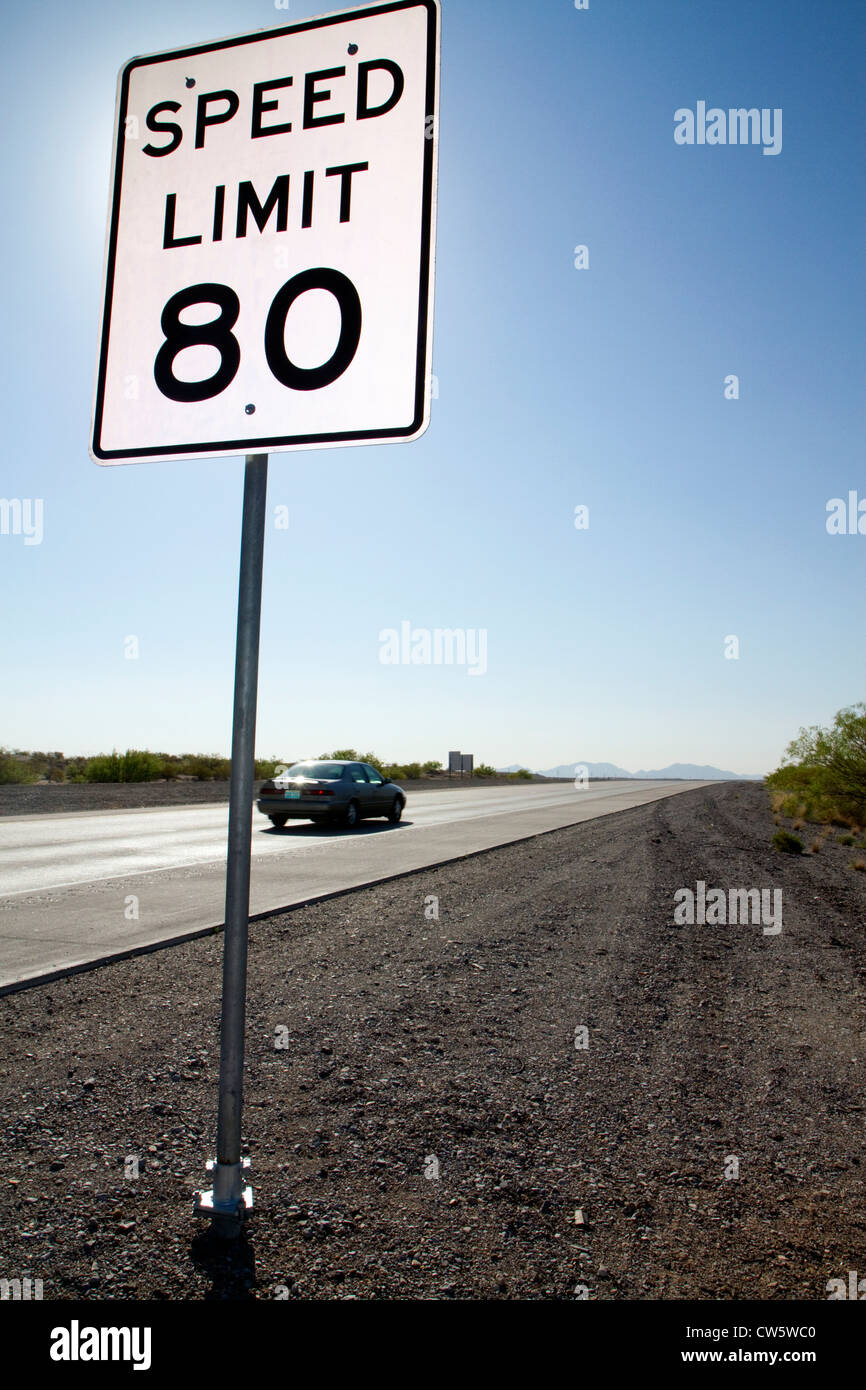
pixel 229 1197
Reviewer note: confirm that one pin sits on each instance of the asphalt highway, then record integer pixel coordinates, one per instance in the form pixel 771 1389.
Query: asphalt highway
pixel 79 888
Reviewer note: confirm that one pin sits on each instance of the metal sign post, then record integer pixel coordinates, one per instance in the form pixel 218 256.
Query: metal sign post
pixel 229 1198
pixel 282 185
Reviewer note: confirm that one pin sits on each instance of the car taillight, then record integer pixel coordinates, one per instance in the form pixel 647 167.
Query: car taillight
pixel 316 791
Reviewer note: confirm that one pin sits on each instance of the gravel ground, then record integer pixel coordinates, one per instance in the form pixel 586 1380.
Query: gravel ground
pixel 415 1044
pixel 45 798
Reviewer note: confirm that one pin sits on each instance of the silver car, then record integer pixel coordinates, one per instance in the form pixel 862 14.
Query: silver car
pixel 330 793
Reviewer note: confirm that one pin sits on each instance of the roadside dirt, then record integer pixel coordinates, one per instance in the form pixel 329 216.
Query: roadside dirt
pixel 417 1046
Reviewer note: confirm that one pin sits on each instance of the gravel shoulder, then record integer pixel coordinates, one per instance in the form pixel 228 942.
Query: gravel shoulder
pixel 418 1046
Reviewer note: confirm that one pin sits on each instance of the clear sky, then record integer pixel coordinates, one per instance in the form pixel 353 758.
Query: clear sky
pixel 558 387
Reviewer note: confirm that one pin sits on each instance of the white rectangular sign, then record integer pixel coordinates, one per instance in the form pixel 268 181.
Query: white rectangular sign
pixel 269 261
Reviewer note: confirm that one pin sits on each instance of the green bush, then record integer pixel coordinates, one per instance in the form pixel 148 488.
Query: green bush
pixel 824 771
pixel 141 766
pixel 135 765
pixel 786 843
pixel 209 767
pixel 105 767
pixel 485 770
pixel 521 775
pixel 15 771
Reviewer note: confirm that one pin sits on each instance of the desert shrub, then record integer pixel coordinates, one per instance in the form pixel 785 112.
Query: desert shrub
pixel 207 767
pixel 105 767
pixel 521 775
pixel 825 770
pixel 787 843
pixel 40 764
pixel 395 772
pixel 141 766
pixel 138 766
pixel 485 770
pixel 135 765
pixel 14 770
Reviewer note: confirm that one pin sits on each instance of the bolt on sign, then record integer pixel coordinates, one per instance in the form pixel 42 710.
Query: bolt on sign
pixel 270 248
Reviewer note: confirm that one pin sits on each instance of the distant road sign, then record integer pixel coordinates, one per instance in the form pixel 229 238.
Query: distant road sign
pixel 467 762
pixel 269 261
pixel 455 762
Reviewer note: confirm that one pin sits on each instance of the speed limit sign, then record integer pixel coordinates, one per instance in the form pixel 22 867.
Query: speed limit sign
pixel 270 247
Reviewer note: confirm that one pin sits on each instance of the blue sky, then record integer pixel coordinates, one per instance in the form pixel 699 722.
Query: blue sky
pixel 557 387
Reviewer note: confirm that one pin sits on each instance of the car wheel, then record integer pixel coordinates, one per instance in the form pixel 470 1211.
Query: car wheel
pixel 352 815
pixel 396 810
pixel 278 821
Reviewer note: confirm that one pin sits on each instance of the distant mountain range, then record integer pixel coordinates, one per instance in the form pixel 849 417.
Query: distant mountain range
pixel 690 771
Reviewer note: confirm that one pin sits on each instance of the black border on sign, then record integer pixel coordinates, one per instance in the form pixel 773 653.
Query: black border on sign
pixel 262 444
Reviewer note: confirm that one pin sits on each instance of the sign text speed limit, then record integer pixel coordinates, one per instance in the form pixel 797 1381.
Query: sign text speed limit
pixel 269 263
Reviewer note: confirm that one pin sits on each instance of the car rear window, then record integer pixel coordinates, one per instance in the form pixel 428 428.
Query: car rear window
pixel 320 772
